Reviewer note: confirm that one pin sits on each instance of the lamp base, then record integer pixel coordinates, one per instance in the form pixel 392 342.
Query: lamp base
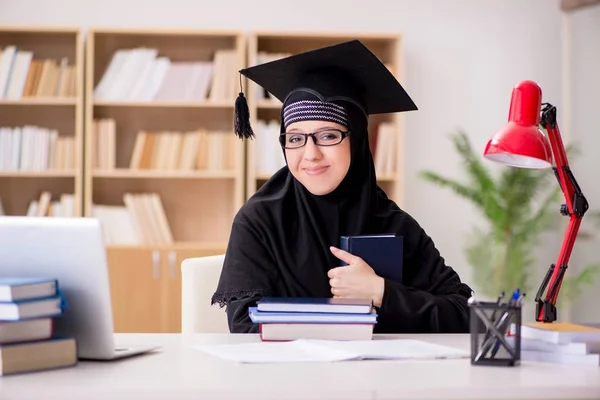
pixel 545 311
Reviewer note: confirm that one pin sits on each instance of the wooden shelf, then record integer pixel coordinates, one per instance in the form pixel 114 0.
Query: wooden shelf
pixel 150 124
pixel 279 44
pixel 166 154
pixel 199 203
pixel 217 247
pixel 162 174
pixel 44 113
pixel 40 101
pixel 166 104
pixel 268 104
pixel 39 174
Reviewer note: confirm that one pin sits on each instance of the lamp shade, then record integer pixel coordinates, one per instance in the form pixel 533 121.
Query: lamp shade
pixel 520 143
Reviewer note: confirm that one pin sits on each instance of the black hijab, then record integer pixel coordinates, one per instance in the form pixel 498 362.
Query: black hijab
pixel 296 228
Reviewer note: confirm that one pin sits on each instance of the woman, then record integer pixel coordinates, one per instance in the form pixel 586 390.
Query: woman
pixel 284 240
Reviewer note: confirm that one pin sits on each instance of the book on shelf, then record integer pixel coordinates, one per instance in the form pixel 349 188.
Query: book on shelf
pixel 142 74
pixel 141 220
pixel 24 75
pixel 45 206
pixel 104 136
pixel 281 319
pixel 34 148
pixel 199 149
pixel 268 154
pixel 383 148
pixel 28 308
pixel 263 57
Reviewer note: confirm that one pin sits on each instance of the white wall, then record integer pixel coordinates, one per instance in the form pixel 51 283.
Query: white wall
pixel 583 85
pixel 462 58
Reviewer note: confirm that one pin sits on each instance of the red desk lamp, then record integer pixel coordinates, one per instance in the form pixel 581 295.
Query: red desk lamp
pixel 521 144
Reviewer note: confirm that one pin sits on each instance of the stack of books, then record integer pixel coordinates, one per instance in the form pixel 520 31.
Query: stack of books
pixel 28 307
pixel 560 343
pixel 283 319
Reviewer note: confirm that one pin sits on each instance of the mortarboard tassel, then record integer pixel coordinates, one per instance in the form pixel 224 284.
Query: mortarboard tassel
pixel 242 126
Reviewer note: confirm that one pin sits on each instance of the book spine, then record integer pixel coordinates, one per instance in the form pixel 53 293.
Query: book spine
pixel 345 243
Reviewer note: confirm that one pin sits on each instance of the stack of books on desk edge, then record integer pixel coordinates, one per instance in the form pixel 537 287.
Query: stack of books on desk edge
pixel 282 319
pixel 28 307
pixel 560 343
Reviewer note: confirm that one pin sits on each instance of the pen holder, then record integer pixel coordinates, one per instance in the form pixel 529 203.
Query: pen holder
pixel 495 331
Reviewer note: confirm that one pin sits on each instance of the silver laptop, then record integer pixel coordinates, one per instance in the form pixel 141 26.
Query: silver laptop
pixel 71 250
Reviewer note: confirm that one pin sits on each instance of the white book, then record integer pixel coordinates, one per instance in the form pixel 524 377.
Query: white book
pixel 6 64
pixel 105 84
pixel 19 75
pixel 592 360
pixel 576 348
pixel 144 77
pixel 129 77
pixel 16 149
pixel 4 134
pixel 560 332
pixel 159 70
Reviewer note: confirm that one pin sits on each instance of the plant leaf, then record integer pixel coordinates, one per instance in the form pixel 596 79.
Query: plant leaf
pixel 457 187
pixel 571 287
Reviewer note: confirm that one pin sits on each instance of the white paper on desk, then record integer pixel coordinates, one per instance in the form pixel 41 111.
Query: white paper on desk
pixel 310 350
pixel 390 349
pixel 273 352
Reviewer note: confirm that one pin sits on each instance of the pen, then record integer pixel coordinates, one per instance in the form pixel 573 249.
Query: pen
pixel 515 300
pixel 493 316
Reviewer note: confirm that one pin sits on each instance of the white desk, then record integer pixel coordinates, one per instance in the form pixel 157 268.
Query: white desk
pixel 180 372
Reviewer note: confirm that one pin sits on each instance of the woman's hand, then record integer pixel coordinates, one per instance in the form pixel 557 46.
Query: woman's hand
pixel 355 280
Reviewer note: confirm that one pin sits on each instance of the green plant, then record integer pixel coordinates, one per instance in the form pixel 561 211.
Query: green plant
pixel 518 205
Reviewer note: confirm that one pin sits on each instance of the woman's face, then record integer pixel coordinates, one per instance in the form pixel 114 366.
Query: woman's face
pixel 319 168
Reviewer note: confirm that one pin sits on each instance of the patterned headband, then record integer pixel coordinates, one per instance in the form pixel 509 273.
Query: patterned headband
pixel 311 110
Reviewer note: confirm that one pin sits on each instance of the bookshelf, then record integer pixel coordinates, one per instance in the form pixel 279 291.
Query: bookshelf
pixel 264 155
pixel 41 121
pixel 163 169
pixel 125 137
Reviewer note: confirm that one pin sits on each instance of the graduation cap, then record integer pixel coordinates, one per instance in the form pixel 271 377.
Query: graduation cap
pixel 347 71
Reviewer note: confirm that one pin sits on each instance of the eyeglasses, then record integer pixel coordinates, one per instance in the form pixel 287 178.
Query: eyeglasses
pixel 329 137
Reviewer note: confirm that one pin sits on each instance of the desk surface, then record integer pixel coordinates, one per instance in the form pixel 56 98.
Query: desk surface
pixel 177 371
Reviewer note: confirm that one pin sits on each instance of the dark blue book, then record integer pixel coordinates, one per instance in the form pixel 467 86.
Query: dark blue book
pixel 314 305
pixel 384 253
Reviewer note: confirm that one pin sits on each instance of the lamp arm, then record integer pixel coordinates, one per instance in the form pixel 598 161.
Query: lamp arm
pixel 575 207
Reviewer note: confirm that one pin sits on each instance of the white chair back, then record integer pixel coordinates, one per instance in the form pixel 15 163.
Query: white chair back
pixel 199 279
